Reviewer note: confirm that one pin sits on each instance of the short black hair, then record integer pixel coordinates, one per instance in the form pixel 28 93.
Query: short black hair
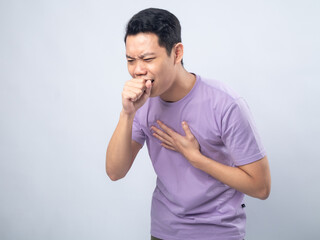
pixel 158 21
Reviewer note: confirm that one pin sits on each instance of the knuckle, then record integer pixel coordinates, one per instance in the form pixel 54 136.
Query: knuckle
pixel 192 139
pixel 138 80
pixel 141 86
pixel 128 82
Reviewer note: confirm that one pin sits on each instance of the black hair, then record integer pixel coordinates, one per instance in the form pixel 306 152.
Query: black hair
pixel 158 21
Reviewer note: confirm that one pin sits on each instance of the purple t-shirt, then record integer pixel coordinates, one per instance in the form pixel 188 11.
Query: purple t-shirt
pixel 187 202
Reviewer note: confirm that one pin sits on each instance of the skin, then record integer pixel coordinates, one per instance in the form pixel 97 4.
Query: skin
pixel 154 73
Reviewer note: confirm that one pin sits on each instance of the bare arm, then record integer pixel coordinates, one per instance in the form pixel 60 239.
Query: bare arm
pixel 122 150
pixel 252 179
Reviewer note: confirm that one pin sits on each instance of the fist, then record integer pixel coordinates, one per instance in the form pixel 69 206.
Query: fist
pixel 135 93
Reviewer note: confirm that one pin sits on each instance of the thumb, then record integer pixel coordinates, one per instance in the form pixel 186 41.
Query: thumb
pixel 186 129
pixel 148 90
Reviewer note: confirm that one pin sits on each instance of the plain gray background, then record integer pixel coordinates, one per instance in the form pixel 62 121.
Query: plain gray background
pixel 62 69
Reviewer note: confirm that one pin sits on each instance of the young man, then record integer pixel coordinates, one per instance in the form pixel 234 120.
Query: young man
pixel 200 136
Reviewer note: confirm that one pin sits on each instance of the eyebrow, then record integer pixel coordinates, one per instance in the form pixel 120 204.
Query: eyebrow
pixel 142 55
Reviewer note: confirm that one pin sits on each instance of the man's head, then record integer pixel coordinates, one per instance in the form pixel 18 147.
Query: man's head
pixel 154 50
pixel 158 21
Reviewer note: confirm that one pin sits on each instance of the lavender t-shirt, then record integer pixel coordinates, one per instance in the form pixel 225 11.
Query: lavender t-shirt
pixel 187 202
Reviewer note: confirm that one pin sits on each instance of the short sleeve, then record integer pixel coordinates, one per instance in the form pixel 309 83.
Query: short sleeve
pixel 137 132
pixel 240 135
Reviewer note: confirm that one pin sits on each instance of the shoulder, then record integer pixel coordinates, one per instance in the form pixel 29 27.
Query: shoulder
pixel 217 93
pixel 217 87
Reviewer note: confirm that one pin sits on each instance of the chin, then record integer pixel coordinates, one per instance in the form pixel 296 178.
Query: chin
pixel 152 95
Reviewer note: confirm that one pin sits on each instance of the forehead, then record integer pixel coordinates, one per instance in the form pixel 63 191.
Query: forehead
pixel 142 43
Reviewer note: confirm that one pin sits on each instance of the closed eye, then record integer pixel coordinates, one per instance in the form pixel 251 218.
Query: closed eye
pixel 148 59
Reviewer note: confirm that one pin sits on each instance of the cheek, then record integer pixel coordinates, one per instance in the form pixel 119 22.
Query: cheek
pixel 152 68
pixel 162 69
pixel 166 70
pixel 130 70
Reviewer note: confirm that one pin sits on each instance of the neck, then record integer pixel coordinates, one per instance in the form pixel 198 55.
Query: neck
pixel 181 86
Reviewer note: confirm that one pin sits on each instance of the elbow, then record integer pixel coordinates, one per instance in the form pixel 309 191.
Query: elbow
pixel 264 188
pixel 113 177
pixel 111 172
pixel 264 193
pixel 115 170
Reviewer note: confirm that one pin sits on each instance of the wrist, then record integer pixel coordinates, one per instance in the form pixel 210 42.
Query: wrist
pixel 194 157
pixel 127 115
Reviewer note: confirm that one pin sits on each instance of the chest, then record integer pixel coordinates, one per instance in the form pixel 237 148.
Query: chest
pixel 204 122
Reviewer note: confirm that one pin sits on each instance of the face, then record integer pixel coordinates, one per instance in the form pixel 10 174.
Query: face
pixel 147 60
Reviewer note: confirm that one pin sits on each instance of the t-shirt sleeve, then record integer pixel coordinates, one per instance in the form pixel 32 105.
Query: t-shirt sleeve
pixel 240 135
pixel 137 132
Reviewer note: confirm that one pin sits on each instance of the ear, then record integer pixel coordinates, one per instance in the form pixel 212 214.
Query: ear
pixel 178 53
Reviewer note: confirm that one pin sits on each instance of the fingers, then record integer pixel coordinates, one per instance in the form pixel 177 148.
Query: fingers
pixel 171 132
pixel 166 136
pixel 168 147
pixel 135 88
pixel 166 129
pixel 148 88
pixel 172 140
pixel 186 129
pixel 148 84
pixel 132 95
pixel 162 136
pixel 162 139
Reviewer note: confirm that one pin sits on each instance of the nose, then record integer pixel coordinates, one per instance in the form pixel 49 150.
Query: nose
pixel 140 69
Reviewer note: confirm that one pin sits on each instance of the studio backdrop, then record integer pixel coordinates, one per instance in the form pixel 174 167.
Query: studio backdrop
pixel 62 70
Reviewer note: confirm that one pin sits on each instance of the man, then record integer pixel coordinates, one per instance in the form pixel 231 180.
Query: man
pixel 200 136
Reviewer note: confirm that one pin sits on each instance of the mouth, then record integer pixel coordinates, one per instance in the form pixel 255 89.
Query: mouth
pixel 152 80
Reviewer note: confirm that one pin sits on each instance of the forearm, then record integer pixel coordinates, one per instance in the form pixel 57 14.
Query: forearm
pixel 119 153
pixel 234 177
pixel 252 179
